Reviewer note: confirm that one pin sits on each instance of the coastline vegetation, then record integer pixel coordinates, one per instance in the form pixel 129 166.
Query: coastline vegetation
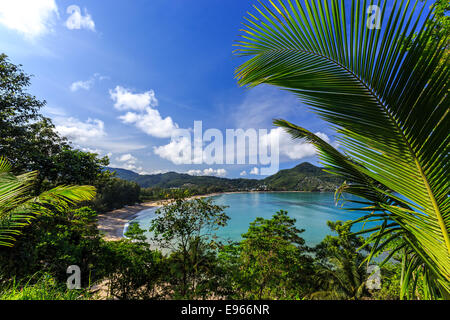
pixel 270 262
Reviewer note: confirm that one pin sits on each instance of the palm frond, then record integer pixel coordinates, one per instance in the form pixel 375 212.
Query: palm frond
pixel 379 198
pixel 383 90
pixel 18 207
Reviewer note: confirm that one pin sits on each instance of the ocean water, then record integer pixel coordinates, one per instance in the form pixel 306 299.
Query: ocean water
pixel 311 210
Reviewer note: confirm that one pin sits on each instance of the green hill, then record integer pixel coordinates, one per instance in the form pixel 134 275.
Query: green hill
pixel 304 177
pixel 179 180
pixel 124 173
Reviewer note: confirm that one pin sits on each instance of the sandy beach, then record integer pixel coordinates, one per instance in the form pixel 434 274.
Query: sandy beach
pixel 111 223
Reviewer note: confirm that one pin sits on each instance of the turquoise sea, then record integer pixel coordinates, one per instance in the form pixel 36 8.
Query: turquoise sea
pixel 312 210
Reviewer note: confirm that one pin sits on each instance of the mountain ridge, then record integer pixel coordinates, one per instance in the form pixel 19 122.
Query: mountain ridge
pixel 303 177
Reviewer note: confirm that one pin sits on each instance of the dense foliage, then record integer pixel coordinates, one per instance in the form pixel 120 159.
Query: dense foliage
pixel 134 270
pixel 40 286
pixel 340 262
pixel 271 262
pixel 183 259
pixel 115 193
pixel 53 242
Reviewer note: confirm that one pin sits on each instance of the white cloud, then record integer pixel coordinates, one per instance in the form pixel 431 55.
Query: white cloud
pixel 86 85
pixel 196 172
pixel 293 149
pixel 180 149
pixel 91 134
pixel 177 151
pixel 77 20
pixel 153 172
pixel 127 166
pixel 131 167
pixel 243 173
pixel 127 158
pixel 255 171
pixel 147 118
pixel 263 104
pixel 30 17
pixel 125 99
pixel 129 162
pixel 208 172
pixel 101 153
pixel 151 123
pixel 220 172
pixel 136 169
pixel 90 150
pixel 80 132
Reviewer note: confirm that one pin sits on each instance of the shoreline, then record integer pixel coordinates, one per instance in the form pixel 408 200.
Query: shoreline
pixel 112 223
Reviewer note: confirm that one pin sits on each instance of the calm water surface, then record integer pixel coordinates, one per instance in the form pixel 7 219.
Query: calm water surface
pixel 312 210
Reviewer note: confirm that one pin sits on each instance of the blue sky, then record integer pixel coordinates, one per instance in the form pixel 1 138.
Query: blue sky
pixel 114 70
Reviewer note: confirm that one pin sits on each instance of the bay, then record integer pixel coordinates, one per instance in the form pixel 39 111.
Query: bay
pixel 311 210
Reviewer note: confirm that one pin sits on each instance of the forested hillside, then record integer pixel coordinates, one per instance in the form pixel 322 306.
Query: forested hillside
pixel 303 177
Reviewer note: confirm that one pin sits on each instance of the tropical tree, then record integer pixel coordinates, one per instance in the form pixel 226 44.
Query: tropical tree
pixel 385 91
pixel 339 265
pixel 134 271
pixel 186 228
pixel 271 262
pixel 30 142
pixel 18 207
pixel 27 138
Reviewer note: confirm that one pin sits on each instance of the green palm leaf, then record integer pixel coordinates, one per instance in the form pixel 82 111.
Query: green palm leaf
pixel 386 94
pixel 18 207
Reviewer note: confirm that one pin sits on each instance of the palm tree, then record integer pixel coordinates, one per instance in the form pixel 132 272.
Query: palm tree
pixel 340 270
pixel 345 282
pixel 385 91
pixel 18 207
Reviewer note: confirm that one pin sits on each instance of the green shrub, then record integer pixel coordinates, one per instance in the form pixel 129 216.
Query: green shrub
pixel 133 270
pixel 41 286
